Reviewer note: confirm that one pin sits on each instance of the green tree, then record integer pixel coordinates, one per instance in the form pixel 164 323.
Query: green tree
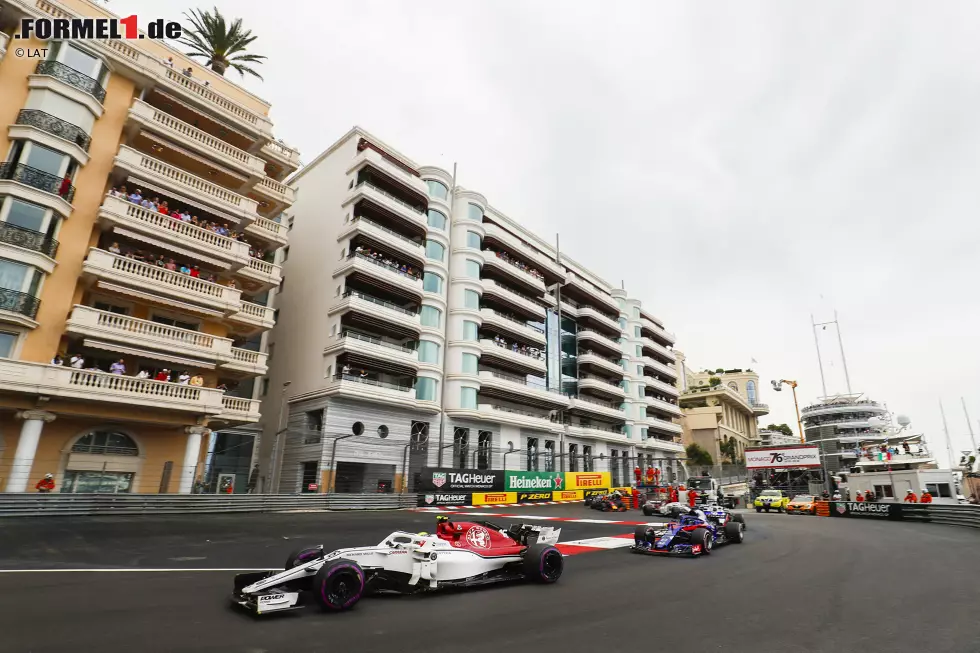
pixel 720 370
pixel 729 450
pixel 782 428
pixel 698 456
pixel 713 381
pixel 223 45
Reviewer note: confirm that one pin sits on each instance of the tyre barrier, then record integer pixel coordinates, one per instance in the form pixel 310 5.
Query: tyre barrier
pixel 64 505
pixel 954 515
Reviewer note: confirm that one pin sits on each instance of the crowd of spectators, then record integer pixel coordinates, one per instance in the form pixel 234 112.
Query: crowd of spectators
pixel 520 265
pixel 384 259
pixel 885 452
pixel 118 367
pixel 525 350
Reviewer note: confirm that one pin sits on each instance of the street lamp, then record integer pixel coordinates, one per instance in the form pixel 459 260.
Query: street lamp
pixel 778 387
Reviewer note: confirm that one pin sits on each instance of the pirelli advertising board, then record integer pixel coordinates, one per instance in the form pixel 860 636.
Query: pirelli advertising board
pixel 494 498
pixel 587 480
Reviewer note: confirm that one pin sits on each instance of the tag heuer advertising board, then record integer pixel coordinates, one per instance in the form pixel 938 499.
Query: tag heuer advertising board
pixel 446 480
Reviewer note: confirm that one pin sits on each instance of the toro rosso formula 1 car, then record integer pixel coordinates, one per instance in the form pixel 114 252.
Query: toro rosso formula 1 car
pixel 460 554
pixel 694 534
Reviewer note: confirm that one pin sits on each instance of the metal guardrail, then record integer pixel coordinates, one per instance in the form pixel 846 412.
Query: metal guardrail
pixel 954 515
pixel 66 505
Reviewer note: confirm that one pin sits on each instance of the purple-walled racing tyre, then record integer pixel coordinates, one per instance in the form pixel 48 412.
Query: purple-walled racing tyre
pixel 542 563
pixel 338 585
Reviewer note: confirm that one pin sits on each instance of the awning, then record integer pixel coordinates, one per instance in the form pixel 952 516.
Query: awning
pixel 157 299
pixel 224 125
pixel 145 353
pixel 141 184
pixel 169 247
pixel 200 159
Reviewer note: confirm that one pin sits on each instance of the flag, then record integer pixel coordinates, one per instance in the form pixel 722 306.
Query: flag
pixel 754 360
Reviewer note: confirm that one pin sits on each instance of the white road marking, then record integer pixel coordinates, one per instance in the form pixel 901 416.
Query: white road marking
pixel 69 571
pixel 602 542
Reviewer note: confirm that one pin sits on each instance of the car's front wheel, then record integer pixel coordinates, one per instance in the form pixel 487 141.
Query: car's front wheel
pixel 542 563
pixel 733 532
pixel 701 536
pixel 338 585
pixel 648 511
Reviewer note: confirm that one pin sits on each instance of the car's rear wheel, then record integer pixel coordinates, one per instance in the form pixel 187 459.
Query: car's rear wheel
pixel 758 509
pixel 701 536
pixel 741 520
pixel 733 532
pixel 648 511
pixel 338 585
pixel 542 563
pixel 302 556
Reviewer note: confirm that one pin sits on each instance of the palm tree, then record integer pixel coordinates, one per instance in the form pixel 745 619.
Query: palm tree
pixel 221 44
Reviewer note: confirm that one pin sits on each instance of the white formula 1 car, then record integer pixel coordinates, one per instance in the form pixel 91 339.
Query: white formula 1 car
pixel 460 554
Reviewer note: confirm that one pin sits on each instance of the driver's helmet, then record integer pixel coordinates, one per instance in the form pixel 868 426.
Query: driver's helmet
pixel 617 494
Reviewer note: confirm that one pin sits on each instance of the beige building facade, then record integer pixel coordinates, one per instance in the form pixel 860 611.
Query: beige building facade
pixel 131 324
pixel 722 406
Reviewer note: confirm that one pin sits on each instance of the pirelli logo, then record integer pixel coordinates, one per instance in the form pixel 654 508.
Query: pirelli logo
pixel 499 497
pixel 590 480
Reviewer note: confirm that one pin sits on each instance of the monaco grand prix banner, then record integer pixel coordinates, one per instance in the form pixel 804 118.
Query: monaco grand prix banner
pixel 789 457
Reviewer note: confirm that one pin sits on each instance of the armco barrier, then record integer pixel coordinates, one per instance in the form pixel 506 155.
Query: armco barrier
pixel 61 505
pixel 955 515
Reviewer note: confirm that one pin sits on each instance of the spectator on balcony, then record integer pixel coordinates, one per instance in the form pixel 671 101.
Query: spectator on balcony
pixel 184 269
pixel 187 72
pixel 77 361
pixel 195 272
pixel 163 208
pixel 232 284
pixel 136 196
pixel 162 375
pixel 57 360
pixel 65 187
pixel 184 378
pixel 143 374
pixel 170 265
pixel 119 367
pixel 907 448
pixel 114 248
pixel 345 369
pixel 197 380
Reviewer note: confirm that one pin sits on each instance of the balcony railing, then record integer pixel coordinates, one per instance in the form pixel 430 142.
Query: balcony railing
pixel 515 411
pixel 593 377
pixel 760 407
pixel 92 321
pixel 35 241
pixel 276 188
pixel 604 404
pixel 391 197
pixel 594 427
pixel 105 450
pixel 394 234
pixel 268 229
pixel 19 302
pixel 591 333
pixel 246 356
pixel 379 302
pixel 72 77
pixel 394 268
pixel 540 356
pixel 516 320
pixel 54 126
pixel 513 378
pixel 375 341
pixel 38 179
pixel 367 381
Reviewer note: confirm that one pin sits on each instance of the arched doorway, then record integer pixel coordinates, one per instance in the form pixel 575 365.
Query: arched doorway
pixel 102 460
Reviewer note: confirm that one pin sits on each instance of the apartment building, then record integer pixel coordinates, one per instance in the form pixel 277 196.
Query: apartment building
pixel 420 325
pixel 720 406
pixel 131 321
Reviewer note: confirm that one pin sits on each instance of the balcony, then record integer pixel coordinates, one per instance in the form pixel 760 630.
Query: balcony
pixel 352 342
pixel 375 159
pixel 533 284
pixel 36 379
pixel 72 78
pixel 18 307
pixel 524 362
pixel 276 191
pixel 255 315
pixel 669 372
pixel 595 432
pixel 654 442
pixel 191 137
pixel 544 263
pixel 663 426
pixel 595 295
pixel 659 349
pixel 816 410
pixel 165 175
pixel 391 204
pixel 600 408
pixel 760 409
pixel 145 334
pixel 511 326
pixel 407 246
pixel 152 282
pixel 378 271
pixel 154 227
pixel 267 275
pixel 523 303
pixel 516 388
pixel 593 339
pixel 666 388
pixel 208 96
pixel 665 406
pixel 34 241
pixel 914 459
pixel 507 415
pixel 600 319
pixel 38 179
pixel 283 154
pixel 239 410
pixel 55 126
pixel 365 304
pixel 600 385
pixel 269 231
pixel 379 392
pixel 601 363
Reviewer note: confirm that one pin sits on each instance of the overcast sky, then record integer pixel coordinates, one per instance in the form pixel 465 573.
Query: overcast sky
pixel 739 165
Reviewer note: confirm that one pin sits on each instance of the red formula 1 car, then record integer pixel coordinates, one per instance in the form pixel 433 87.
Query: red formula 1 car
pixel 460 554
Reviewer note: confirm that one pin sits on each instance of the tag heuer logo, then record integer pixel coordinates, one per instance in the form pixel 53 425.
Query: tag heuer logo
pixel 558 479
pixel 429 498
pixel 438 478
pixel 841 508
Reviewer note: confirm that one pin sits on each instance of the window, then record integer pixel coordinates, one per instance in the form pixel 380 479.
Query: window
pixel 285 255
pixel 428 352
pixel 733 386
pixel 45 159
pixel 484 450
pixel 883 491
pixel 626 386
pixel 573 457
pixel 81 61
pixel 432 283
pixel 470 364
pixel 622 324
pixel 639 350
pixel 106 443
pixel 636 312
pixel 169 321
pixel 471 299
pixel 636 332
pixel 314 420
pixel 639 391
pixel 473 240
pixel 587 458
pixel 474 212
pixel 461 447
pixel 472 269
pixel 437 220
pixel 750 391
pixel 935 489
pixel 431 316
pixel 110 308
pixel 13 275
pixel 437 189
pixel 270 352
pixel 614 467
pixel 627 429
pixel 61 107
pixel 639 370
pixel 23 214
pixel 425 389
pixel 549 455
pixel 467 398
pixel 309 476
pixel 435 251
pixel 471 331
pixel 643 434
pixel 532 454
pixel 7 342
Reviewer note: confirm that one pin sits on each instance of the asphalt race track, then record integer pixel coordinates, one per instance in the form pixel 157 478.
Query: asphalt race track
pixel 798 584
